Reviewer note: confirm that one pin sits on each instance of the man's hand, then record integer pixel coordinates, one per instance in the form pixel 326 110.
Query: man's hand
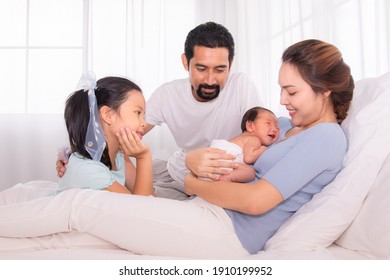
pixel 210 162
pixel 62 160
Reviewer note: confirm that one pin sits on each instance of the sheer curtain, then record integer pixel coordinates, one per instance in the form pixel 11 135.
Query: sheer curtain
pixel 143 40
pixel 263 29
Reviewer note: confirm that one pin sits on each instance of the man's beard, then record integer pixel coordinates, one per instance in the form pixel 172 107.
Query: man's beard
pixel 207 95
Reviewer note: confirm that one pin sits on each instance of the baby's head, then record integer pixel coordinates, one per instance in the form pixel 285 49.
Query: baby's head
pixel 262 123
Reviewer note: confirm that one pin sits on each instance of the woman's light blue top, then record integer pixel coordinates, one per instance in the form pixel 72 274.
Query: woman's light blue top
pixel 299 167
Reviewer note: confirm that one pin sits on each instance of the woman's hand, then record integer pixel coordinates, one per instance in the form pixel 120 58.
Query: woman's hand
pixel 210 162
pixel 131 144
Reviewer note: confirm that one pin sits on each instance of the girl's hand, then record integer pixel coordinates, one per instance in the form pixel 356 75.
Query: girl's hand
pixel 139 178
pixel 210 162
pixel 131 144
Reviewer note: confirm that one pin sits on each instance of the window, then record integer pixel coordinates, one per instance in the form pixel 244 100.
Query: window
pixel 41 47
pixel 40 51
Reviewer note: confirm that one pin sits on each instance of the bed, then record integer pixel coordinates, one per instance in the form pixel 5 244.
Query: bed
pixel 347 220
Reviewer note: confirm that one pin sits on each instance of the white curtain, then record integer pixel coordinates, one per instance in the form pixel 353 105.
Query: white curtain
pixel 143 40
pixel 264 28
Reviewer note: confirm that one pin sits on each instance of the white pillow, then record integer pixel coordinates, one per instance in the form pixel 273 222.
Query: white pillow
pixel 322 220
pixel 369 231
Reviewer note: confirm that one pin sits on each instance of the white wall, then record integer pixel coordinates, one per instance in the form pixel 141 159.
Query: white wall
pixel 29 144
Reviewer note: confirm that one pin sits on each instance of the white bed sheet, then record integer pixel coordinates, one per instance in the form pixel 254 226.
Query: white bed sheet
pixel 334 252
pixel 77 254
pixel 71 245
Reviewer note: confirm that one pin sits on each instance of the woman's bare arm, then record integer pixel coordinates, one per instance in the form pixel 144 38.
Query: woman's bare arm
pixel 252 199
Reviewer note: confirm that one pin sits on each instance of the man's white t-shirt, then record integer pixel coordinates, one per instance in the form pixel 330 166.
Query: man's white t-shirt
pixel 195 124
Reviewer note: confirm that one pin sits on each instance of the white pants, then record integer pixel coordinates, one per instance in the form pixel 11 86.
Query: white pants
pixel 143 225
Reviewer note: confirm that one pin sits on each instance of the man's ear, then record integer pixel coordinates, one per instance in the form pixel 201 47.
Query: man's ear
pixel 184 62
pixel 106 115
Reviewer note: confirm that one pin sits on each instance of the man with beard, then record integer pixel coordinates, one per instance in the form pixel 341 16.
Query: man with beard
pixel 208 105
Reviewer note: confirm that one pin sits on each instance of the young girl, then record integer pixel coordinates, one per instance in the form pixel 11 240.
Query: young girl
pixel 105 126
